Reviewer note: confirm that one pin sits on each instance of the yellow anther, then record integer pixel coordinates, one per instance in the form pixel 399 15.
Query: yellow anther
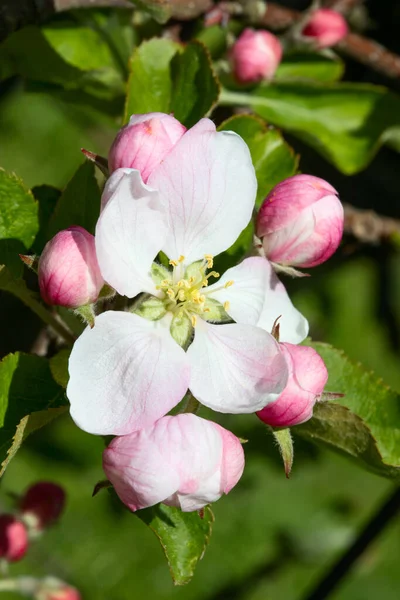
pixel 165 282
pixel 181 295
pixel 206 310
pixel 174 263
pixel 227 305
pixel 213 274
pixel 193 318
pixel 171 293
pixel 182 283
pixel 181 258
pixel 229 283
pixel 210 260
pixel 202 299
pixel 191 280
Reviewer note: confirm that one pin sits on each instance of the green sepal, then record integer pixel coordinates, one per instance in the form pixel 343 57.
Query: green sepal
pixel 86 313
pixel 216 312
pixel 106 292
pixel 284 440
pixel 151 308
pixel 159 273
pixel 193 270
pixel 181 329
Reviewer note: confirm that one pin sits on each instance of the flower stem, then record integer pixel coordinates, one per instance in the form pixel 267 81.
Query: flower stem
pixel 386 512
pixel 24 294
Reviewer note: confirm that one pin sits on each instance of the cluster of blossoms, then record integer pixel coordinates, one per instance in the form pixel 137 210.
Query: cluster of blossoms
pixel 256 54
pixel 37 509
pixel 186 195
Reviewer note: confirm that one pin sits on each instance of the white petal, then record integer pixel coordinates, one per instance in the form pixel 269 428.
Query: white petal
pixel 129 234
pixel 208 186
pixel 293 326
pixel 125 373
pixel 247 294
pixel 235 368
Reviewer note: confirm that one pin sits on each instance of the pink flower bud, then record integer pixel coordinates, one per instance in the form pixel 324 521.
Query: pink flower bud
pixel 145 142
pixel 325 27
pixel 301 222
pixel 44 502
pixel 13 538
pixel 182 461
pixel 255 56
pixel 69 274
pixel 307 379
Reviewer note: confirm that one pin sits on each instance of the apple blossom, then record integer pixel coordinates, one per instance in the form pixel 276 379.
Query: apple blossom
pixel 307 379
pixel 182 461
pixel 42 503
pixel 69 273
pixel 145 142
pixel 213 338
pixel 255 56
pixel 13 538
pixel 300 222
pixel 325 27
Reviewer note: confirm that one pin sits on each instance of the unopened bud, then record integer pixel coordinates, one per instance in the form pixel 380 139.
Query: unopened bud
pixel 300 222
pixel 307 379
pixel 255 56
pixel 145 142
pixel 69 273
pixel 42 504
pixel 57 591
pixel 13 538
pixel 325 28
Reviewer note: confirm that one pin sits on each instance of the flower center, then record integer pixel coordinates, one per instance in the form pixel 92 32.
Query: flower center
pixel 184 291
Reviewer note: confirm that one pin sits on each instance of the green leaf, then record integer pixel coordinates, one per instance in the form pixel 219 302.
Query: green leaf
pixel 183 536
pixel 273 160
pixel 59 367
pixel 79 204
pixel 166 78
pixel 71 56
pixel 47 198
pixel 345 122
pixel 19 221
pixel 365 423
pixel 310 66
pixel 284 441
pixel 149 84
pixel 27 392
pixel 195 86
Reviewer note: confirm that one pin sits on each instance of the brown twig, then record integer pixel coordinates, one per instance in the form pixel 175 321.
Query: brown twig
pixel 342 6
pixel 368 227
pixel 356 46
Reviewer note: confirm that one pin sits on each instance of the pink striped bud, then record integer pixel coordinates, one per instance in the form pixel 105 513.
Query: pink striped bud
pixel 300 222
pixel 325 27
pixel 69 274
pixel 307 379
pixel 145 142
pixel 13 538
pixel 255 56
pixel 43 503
pixel 182 461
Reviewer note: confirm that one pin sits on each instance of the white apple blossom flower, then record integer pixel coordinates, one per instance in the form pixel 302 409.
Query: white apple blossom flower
pixel 212 338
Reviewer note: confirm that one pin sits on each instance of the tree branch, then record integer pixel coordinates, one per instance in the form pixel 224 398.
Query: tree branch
pixel 362 49
pixel 368 227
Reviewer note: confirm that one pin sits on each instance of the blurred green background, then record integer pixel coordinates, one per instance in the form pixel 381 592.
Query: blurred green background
pixel 272 537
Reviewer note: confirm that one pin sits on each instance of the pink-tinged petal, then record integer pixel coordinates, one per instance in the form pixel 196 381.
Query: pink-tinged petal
pixel 125 373
pixel 113 182
pixel 235 368
pixel 307 379
pixel 129 234
pixel 139 470
pixel 325 27
pixel 182 461
pixel 246 295
pixel 145 142
pixel 293 326
pixel 208 186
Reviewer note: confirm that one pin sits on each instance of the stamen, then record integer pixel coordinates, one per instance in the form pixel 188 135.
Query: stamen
pixel 174 263
pixel 181 295
pixel 206 310
pixel 193 318
pixel 165 282
pixel 227 305
pixel 229 283
pixel 170 293
pixel 181 258
pixel 213 274
pixel 210 260
pixel 191 280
